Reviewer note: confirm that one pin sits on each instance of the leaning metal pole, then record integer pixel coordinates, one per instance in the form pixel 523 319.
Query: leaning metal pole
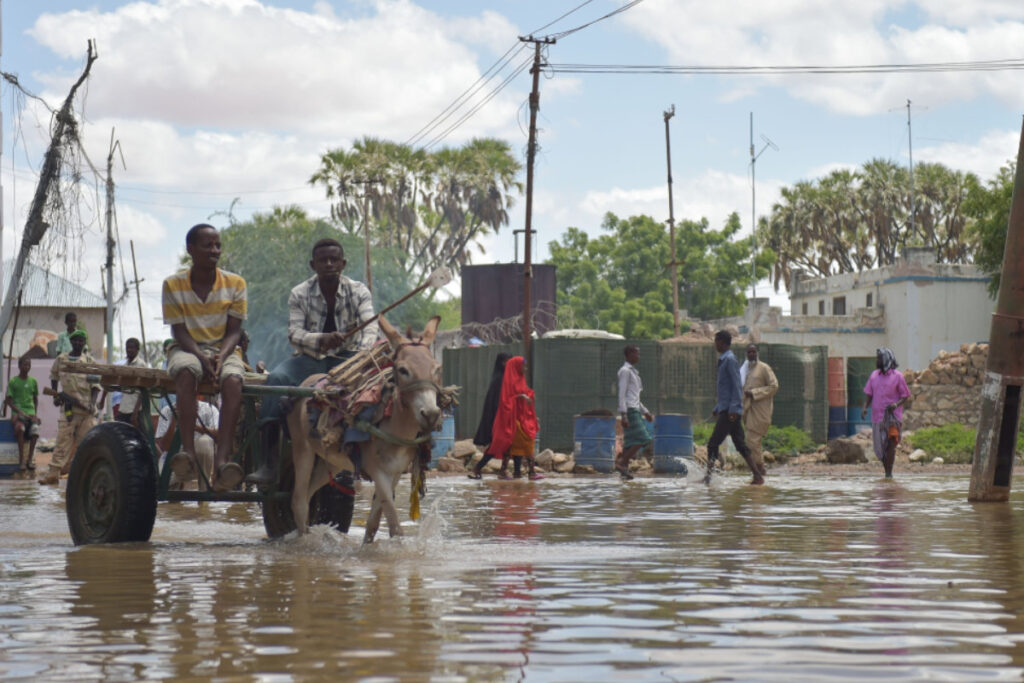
pixel 992 472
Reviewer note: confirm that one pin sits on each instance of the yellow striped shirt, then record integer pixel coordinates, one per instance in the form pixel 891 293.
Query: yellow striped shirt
pixel 206 321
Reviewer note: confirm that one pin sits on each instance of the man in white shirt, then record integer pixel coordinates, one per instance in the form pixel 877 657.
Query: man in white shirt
pixel 634 433
pixel 207 419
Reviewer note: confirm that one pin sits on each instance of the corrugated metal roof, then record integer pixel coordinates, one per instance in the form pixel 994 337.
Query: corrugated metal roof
pixel 42 288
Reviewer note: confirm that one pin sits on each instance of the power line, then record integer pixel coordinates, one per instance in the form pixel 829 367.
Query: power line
pixel 459 101
pixel 1014 64
pixel 489 75
pixel 628 6
pixel 519 69
pixel 552 23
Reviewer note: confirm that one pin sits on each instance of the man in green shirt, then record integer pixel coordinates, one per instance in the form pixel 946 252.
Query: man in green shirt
pixel 23 400
pixel 64 338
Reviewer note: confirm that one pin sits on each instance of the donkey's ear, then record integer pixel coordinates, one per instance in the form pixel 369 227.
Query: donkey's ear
pixel 390 332
pixel 431 329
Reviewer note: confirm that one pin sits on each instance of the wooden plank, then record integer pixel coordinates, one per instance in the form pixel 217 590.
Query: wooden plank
pixel 120 376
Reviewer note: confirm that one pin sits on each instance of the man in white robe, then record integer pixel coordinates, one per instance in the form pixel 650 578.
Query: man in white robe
pixel 759 388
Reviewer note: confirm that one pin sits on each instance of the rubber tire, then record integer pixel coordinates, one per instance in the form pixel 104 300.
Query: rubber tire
pixel 327 506
pixel 114 463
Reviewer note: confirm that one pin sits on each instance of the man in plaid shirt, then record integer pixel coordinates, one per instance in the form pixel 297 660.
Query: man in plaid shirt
pixel 321 311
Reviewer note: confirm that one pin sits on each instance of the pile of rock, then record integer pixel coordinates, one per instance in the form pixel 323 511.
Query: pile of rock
pixel 948 390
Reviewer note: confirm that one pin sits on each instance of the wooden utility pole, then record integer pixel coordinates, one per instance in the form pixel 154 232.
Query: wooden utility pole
pixel 35 226
pixel 138 300
pixel 669 113
pixel 531 155
pixel 111 244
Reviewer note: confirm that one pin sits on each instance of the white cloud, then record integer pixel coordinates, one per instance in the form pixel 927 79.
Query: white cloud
pixel 243 64
pixel 712 194
pixel 844 33
pixel 983 158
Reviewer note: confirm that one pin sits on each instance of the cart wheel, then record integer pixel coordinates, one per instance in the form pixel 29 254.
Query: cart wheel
pixel 111 495
pixel 327 506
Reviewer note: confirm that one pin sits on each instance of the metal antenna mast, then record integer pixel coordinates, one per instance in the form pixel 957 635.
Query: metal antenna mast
pixel 669 113
pixel 910 149
pixel 753 203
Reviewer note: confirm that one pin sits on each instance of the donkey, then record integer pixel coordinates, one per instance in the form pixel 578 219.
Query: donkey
pixel 390 451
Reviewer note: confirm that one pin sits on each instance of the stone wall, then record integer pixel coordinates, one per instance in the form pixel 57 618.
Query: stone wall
pixel 948 390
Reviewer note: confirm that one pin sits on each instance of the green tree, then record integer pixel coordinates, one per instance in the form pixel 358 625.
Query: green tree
pixel 849 221
pixel 989 207
pixel 619 282
pixel 272 252
pixel 429 208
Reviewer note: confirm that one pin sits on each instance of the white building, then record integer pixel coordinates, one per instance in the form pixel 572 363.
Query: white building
pixel 916 307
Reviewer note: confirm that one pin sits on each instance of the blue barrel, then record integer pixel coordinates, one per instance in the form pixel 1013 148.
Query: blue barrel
pixel 594 441
pixel 444 441
pixel 8 449
pixel 673 442
pixel 837 413
pixel 837 430
pixel 854 422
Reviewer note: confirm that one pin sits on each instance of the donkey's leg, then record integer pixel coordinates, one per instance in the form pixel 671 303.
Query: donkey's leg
pixel 303 458
pixel 373 519
pixel 394 522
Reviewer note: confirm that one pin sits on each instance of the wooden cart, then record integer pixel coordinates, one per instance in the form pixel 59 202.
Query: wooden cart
pixel 116 481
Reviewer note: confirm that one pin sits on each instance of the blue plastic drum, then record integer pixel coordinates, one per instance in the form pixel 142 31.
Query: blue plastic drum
pixel 444 441
pixel 673 443
pixel 594 441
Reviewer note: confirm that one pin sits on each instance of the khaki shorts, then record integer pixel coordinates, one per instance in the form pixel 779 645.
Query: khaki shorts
pixel 178 359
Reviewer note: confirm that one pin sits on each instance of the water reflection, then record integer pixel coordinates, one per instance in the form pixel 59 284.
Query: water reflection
pixel 560 580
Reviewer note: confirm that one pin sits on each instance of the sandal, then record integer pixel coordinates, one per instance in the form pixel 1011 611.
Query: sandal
pixel 229 476
pixel 536 476
pixel 475 475
pixel 624 473
pixel 505 476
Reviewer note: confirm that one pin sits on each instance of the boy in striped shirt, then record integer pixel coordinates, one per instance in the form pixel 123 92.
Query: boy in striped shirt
pixel 205 307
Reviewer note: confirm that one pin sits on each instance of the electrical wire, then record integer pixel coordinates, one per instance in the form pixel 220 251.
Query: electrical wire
pixel 464 99
pixel 1014 64
pixel 467 94
pixel 441 136
pixel 552 23
pixel 628 6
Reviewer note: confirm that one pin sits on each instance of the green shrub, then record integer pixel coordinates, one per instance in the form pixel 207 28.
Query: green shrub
pixel 702 432
pixel 950 440
pixel 780 441
pixel 784 440
pixel 953 442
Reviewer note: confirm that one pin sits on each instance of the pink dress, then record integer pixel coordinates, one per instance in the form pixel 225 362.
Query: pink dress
pixel 884 390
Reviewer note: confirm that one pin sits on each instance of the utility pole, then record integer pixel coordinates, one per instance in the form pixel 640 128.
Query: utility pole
pixel 111 244
pixel 366 182
pixel 53 162
pixel 2 283
pixel 531 154
pixel 669 113
pixel 753 213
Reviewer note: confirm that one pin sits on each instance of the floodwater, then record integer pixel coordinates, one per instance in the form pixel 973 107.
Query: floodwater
pixel 566 579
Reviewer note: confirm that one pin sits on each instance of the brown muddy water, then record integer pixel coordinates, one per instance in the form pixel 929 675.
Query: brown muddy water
pixel 572 579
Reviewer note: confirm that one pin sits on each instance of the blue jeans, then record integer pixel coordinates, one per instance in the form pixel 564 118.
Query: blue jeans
pixel 291 373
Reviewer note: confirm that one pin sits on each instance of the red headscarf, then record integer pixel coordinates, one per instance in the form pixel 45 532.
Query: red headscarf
pixel 513 409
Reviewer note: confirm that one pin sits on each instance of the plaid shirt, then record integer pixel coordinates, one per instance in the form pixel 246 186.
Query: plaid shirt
pixel 307 313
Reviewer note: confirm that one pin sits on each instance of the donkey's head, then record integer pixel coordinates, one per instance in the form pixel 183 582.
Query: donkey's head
pixel 416 372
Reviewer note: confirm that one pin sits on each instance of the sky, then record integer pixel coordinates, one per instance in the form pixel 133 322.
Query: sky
pixel 217 100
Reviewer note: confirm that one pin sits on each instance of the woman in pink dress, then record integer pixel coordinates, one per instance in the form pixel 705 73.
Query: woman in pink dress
pixel 886 393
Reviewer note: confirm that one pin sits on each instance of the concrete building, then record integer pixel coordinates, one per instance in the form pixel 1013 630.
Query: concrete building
pixel 45 299
pixel 916 307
